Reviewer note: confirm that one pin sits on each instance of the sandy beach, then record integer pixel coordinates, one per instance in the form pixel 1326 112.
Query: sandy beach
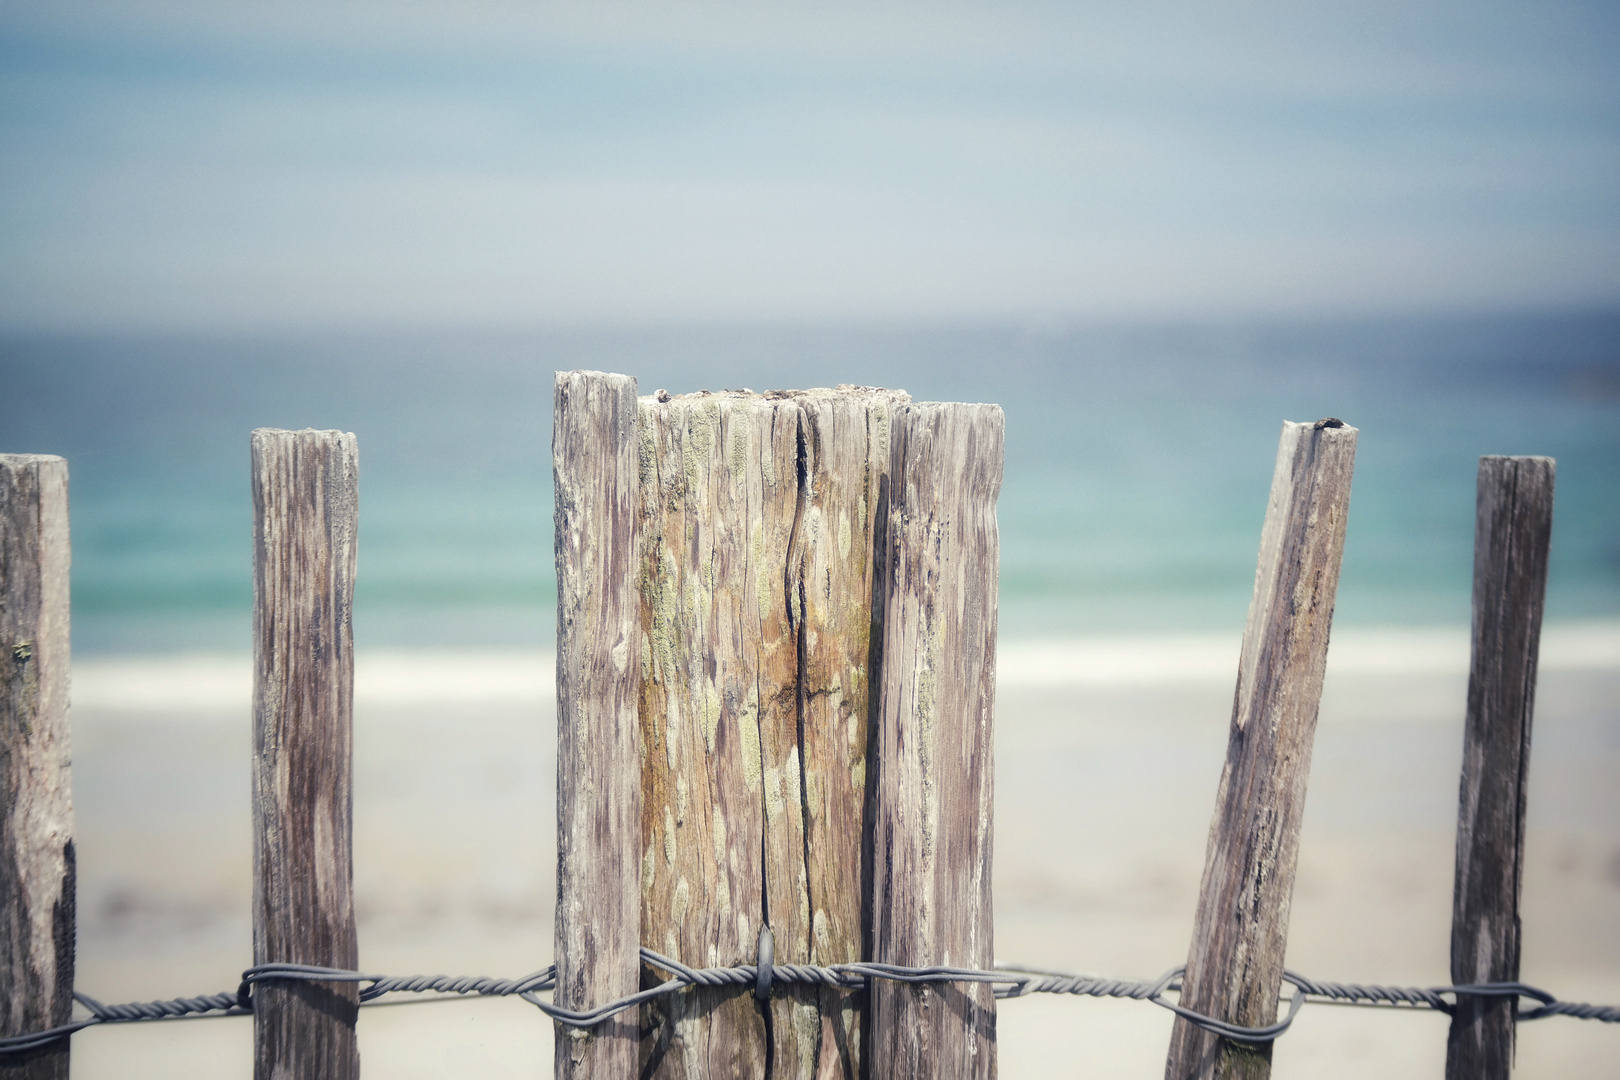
pixel 1108 753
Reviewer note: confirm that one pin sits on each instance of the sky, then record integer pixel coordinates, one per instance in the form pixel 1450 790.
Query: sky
pixel 232 166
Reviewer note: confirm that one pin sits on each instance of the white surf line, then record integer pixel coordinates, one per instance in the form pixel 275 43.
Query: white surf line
pixel 214 682
pixel 393 678
pixel 1145 660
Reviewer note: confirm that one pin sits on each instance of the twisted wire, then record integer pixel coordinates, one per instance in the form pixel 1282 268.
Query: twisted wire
pixel 1397 996
pixel 1006 982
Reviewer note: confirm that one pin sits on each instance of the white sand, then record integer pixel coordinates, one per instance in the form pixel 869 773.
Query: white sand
pixel 1107 757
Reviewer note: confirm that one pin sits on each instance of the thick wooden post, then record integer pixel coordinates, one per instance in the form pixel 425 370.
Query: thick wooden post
pixel 305 522
pixel 36 815
pixel 758 525
pixel 718 488
pixel 933 797
pixel 594 451
pixel 1512 532
pixel 838 546
pixel 1234 967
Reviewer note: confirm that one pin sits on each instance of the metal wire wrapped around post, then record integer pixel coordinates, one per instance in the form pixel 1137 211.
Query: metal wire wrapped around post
pixel 1008 982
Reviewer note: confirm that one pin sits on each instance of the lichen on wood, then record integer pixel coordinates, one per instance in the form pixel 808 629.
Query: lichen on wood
pixel 756 628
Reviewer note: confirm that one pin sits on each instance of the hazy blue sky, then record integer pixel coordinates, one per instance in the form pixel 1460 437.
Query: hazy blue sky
pixel 224 165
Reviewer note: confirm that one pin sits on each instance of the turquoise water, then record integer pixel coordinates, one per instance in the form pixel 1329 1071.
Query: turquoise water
pixel 1138 459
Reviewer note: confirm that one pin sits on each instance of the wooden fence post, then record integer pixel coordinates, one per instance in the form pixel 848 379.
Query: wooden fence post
pixel 36 801
pixel 838 604
pixel 305 517
pixel 933 800
pixel 759 513
pixel 719 495
pixel 594 450
pixel 1234 967
pixel 1512 532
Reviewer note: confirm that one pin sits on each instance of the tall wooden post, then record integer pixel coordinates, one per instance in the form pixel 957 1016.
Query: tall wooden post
pixel 933 799
pixel 759 519
pixel 1234 967
pixel 305 517
pixel 36 801
pixel 845 437
pixel 594 451
pixel 719 496
pixel 1512 533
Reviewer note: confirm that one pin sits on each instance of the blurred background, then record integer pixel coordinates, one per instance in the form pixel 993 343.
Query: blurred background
pixel 1151 232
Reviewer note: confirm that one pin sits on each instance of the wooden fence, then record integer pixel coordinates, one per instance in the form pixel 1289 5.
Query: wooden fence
pixel 776 656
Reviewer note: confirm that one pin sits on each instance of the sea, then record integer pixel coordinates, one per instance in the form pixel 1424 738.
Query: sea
pixel 1138 458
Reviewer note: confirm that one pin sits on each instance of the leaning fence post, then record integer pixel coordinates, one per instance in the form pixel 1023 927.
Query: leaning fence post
pixel 36 816
pixel 305 520
pixel 1234 967
pixel 594 468
pixel 1512 531
pixel 933 799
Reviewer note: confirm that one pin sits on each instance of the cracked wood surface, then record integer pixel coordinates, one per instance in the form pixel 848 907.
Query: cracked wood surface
pixel 756 553
pixel 1240 932
pixel 305 525
pixel 934 795
pixel 594 469
pixel 36 824
pixel 845 436
pixel 1512 534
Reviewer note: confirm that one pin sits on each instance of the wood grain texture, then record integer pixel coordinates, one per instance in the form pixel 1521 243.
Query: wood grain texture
pixel 838 544
pixel 305 518
pixel 1512 535
pixel 594 451
pixel 36 821
pixel 1240 933
pixel 753 770
pixel 933 800
pixel 719 497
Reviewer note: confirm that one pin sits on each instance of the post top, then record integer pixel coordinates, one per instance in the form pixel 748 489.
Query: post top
pixel 985 407
pixel 1538 458
pixel 270 432
pixel 1327 423
pixel 590 373
pixel 842 390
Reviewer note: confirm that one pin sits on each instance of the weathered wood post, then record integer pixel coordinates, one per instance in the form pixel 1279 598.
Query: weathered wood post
pixel 36 816
pixel 594 451
pixel 933 800
pixel 758 519
pixel 1512 534
pixel 1234 967
pixel 762 587
pixel 305 518
pixel 836 563
pixel 719 493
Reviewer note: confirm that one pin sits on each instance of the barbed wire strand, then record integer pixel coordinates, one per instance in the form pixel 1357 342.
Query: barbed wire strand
pixel 1007 982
